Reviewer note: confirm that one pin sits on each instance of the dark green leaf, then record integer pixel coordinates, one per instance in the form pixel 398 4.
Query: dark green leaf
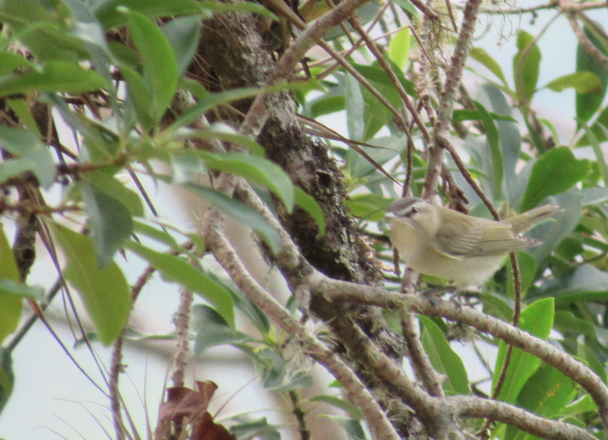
pixel 554 172
pixel 104 292
pixel 493 139
pixel 110 221
pixel 239 212
pixel 527 269
pixel 552 232
pixel 585 354
pixel 10 305
pixel 585 283
pixel 257 429
pixel 211 101
pixel 222 132
pixel 212 330
pixel 473 115
pixel 32 152
pixel 481 56
pixel 176 270
pixel 110 15
pixel 587 104
pixel 355 108
pixel 255 169
pixel 347 406
pixel 117 190
pixel 566 323
pixel 597 128
pixel 536 319
pixel 139 96
pixel 183 34
pixel 7 378
pixel 353 427
pixel 597 149
pixel 310 205
pixel 582 82
pixel 376 74
pixel 42 30
pixel 443 358
pixel 158 60
pixel 526 70
pixel 55 76
pixel 496 305
pixel 245 7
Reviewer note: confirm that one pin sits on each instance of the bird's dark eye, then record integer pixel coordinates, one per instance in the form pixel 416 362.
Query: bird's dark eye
pixel 413 210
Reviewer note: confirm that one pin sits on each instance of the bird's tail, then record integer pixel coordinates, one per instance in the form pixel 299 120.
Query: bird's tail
pixel 523 222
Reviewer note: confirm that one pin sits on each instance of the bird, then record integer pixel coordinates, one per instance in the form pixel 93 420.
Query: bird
pixel 466 250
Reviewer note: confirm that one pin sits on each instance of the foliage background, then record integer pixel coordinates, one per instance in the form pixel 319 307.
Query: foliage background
pixel 58 34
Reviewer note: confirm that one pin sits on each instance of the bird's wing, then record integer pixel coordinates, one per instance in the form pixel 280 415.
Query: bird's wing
pixel 499 238
pixel 457 240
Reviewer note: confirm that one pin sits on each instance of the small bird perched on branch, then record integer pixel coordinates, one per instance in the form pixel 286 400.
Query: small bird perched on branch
pixel 466 250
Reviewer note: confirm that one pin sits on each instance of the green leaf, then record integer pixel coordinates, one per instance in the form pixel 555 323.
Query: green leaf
pixel 158 60
pixel 496 305
pixel 493 140
pixel 11 287
pixel 239 212
pixel 258 429
pixel 481 56
pixel 10 61
pixel 597 149
pixel 310 205
pixel 526 76
pixel 176 270
pixel 54 76
pixel 582 82
pixel 368 206
pixel 527 269
pixel 34 155
pixel 598 128
pixel 585 283
pixel 7 378
pixel 211 101
pixel 183 34
pixel 255 169
pixel 399 47
pixel 10 305
pixel 345 405
pixel 235 7
pixel 110 14
pixel 554 172
pixel 139 96
pixel 112 187
pixel 544 394
pixel 355 108
pixel 587 104
pixel 352 427
pixel 443 358
pixel 220 131
pixel 376 74
pixel 212 330
pixel 586 355
pixel 104 292
pixel 536 319
pixel 582 405
pixel 110 221
pixel 567 324
pixel 42 30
